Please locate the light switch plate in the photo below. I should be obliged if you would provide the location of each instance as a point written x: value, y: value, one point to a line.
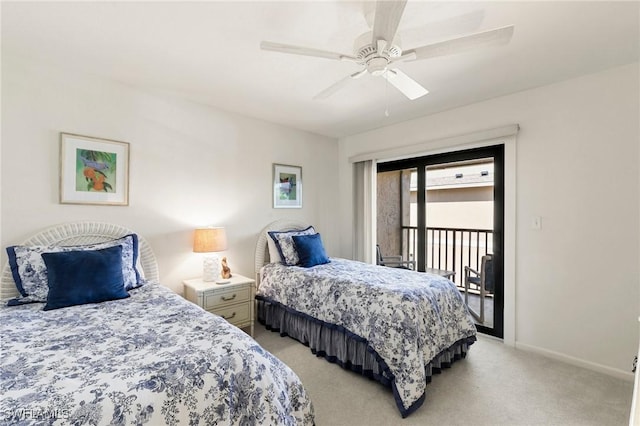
x: 536, y: 223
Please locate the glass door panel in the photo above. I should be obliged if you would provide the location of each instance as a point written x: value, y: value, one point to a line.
x: 459, y: 228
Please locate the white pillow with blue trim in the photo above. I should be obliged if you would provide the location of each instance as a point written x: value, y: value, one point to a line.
x: 283, y: 241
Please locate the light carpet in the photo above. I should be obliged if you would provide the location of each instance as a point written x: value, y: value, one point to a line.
x: 494, y: 385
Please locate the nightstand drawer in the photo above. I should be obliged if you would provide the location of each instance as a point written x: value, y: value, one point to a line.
x: 232, y: 300
x: 235, y: 314
x: 214, y: 300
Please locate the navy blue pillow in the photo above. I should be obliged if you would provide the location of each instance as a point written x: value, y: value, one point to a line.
x: 310, y: 250
x: 87, y: 276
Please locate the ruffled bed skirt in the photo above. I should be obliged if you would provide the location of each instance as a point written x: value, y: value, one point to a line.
x: 346, y: 349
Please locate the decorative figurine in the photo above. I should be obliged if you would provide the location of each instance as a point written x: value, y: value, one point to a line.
x: 226, y: 271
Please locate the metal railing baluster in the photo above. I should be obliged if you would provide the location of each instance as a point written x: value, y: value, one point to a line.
x: 461, y: 248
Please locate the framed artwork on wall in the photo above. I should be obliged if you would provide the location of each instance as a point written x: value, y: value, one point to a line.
x: 287, y: 187
x: 93, y: 171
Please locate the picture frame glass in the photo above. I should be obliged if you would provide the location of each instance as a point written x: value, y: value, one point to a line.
x: 287, y: 186
x: 93, y: 170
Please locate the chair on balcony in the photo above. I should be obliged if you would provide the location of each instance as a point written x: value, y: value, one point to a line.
x: 394, y: 261
x: 483, y: 281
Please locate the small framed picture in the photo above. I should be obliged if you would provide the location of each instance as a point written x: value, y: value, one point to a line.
x: 93, y: 170
x: 287, y: 187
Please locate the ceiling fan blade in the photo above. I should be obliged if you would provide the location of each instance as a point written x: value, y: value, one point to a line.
x: 381, y: 45
x: 410, y: 56
x: 305, y: 51
x: 339, y: 85
x: 465, y: 23
x: 408, y: 86
x: 387, y: 18
x: 464, y: 44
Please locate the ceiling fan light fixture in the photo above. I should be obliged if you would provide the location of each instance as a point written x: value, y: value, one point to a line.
x: 377, y: 66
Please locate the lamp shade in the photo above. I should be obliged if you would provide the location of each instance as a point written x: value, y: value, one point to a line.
x: 208, y: 240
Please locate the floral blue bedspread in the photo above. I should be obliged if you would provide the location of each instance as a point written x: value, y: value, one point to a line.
x: 407, y: 317
x: 153, y: 358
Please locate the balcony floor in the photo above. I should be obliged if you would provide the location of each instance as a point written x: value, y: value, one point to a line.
x: 474, y: 303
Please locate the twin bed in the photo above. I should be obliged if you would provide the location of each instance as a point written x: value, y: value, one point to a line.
x: 148, y: 356
x: 393, y: 325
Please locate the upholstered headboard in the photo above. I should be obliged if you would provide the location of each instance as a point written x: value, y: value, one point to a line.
x: 262, y: 251
x: 81, y: 233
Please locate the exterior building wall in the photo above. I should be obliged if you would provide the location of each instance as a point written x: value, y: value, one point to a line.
x: 406, y: 209
x: 456, y: 208
x: 389, y: 217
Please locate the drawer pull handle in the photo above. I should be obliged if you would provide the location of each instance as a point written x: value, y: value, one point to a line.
x: 231, y: 317
x: 226, y: 299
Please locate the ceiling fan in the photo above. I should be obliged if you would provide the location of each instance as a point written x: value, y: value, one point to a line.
x: 378, y: 49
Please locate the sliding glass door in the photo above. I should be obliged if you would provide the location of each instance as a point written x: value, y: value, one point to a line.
x: 445, y: 213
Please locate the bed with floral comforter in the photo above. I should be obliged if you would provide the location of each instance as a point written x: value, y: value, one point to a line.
x: 411, y: 321
x: 152, y: 358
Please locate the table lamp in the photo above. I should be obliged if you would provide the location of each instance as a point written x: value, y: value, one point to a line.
x: 210, y: 240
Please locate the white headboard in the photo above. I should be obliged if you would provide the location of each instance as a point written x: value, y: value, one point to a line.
x: 74, y: 233
x: 262, y: 252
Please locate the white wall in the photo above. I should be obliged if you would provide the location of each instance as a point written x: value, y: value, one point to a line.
x: 191, y: 165
x: 577, y: 279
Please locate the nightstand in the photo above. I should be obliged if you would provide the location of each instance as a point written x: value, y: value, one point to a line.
x: 233, y: 301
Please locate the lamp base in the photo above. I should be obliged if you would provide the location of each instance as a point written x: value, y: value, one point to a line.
x: 210, y: 269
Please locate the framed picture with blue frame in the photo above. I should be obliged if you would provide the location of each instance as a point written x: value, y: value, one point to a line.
x: 287, y: 186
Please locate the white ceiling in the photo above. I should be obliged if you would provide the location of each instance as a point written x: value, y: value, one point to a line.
x: 209, y: 52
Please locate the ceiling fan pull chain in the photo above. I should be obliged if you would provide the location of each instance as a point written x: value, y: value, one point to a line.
x: 386, y: 98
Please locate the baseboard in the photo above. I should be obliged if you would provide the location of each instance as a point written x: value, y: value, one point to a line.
x: 614, y: 372
x: 489, y: 337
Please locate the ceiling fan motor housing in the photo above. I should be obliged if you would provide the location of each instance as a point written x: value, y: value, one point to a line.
x: 368, y: 55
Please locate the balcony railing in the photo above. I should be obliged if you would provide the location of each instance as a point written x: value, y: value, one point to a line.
x: 450, y: 249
